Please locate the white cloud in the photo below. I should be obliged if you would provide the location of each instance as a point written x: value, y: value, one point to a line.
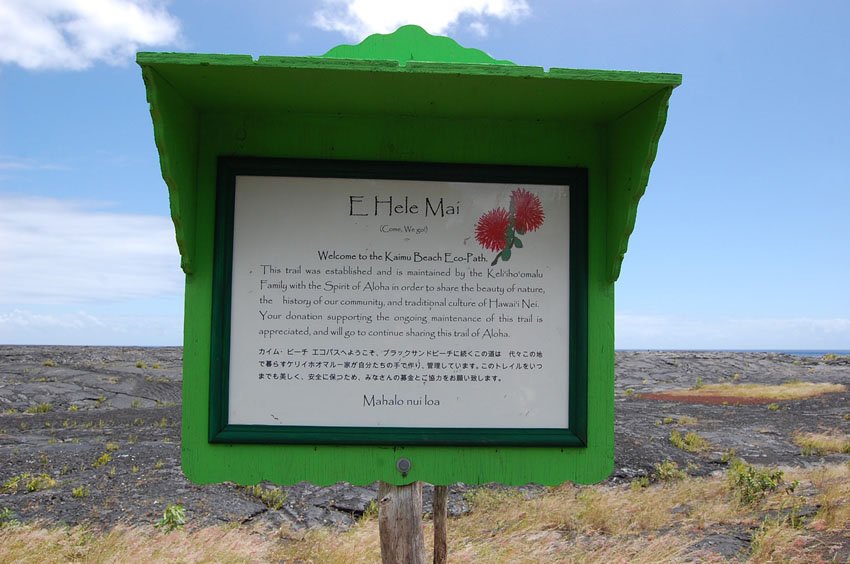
x: 479, y: 28
x: 19, y: 163
x: 57, y: 252
x: 25, y: 327
x: 359, y: 18
x: 74, y: 34
x: 773, y: 333
x: 22, y: 319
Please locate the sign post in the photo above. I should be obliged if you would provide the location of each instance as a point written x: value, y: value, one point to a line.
x: 400, y: 259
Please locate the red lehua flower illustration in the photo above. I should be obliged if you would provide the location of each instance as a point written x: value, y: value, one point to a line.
x: 528, y: 212
x: 492, y: 229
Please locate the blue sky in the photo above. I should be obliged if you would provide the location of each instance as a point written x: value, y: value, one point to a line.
x: 742, y: 240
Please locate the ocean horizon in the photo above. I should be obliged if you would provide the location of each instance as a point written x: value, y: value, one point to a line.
x: 793, y: 352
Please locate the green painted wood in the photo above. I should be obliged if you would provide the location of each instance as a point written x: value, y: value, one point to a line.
x: 437, y: 108
x: 326, y: 85
x: 633, y: 142
x: 412, y: 43
x: 175, y: 134
x: 422, y: 140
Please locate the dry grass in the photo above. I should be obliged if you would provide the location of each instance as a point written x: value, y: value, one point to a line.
x: 832, y: 484
x: 358, y: 545
x: 603, y: 523
x: 777, y: 541
x: 822, y: 443
x: 566, y: 524
x: 30, y: 543
x: 787, y: 391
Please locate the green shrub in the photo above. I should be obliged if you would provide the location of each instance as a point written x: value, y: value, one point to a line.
x: 174, y: 517
x: 6, y: 518
x: 30, y: 482
x: 668, y: 471
x: 80, y: 492
x: 272, y: 498
x: 728, y: 456
x: 751, y: 484
x: 40, y: 482
x: 371, y: 511
x: 102, y: 460
x: 39, y: 408
x: 639, y: 483
x: 689, y: 442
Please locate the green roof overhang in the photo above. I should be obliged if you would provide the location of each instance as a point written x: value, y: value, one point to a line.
x: 409, y: 73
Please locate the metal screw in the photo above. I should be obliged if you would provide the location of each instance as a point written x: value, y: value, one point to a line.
x: 403, y: 465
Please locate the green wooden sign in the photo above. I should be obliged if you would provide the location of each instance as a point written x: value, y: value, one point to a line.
x: 417, y: 337
x: 402, y: 249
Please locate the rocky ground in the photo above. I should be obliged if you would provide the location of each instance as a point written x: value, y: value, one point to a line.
x: 104, y: 423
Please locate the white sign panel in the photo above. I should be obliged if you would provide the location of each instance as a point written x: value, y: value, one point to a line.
x: 399, y: 303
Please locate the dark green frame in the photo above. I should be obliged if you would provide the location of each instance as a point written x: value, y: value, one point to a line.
x: 575, y: 435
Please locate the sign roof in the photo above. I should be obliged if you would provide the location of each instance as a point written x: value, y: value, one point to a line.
x: 410, y: 72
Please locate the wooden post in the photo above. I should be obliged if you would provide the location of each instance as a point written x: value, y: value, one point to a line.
x: 439, y: 511
x: 400, y: 523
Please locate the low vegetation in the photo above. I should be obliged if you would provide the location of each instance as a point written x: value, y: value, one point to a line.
x: 173, y: 518
x: 751, y: 484
x: 779, y: 392
x: 668, y: 471
x: 27, y: 482
x: 271, y: 497
x: 832, y: 357
x: 80, y: 492
x: 689, y: 442
x: 605, y: 523
x: 31, y: 544
x: 102, y: 460
x: 819, y: 444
